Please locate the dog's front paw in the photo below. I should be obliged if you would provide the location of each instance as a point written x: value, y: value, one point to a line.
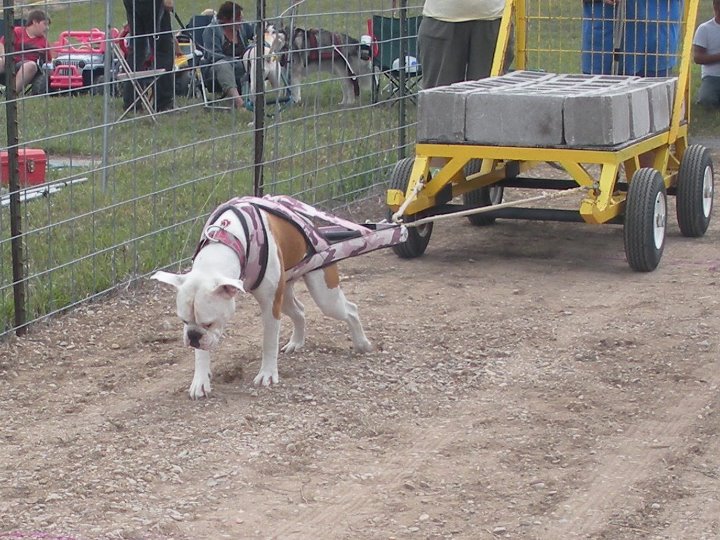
x: 200, y: 387
x: 266, y: 378
x: 363, y: 346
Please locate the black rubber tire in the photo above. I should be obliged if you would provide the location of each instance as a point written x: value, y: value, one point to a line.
x: 40, y: 84
x: 645, y: 220
x: 418, y: 237
x: 695, y: 190
x: 481, y: 197
x: 97, y: 87
x: 182, y: 81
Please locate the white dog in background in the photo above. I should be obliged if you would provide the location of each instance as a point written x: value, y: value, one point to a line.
x: 274, y: 42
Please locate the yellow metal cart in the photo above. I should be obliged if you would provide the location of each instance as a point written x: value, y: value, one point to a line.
x: 618, y: 189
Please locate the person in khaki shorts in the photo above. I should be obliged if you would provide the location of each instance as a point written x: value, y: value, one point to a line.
x: 456, y: 40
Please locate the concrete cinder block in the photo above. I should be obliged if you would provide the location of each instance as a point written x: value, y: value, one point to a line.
x: 597, y: 119
x: 639, y: 109
x: 658, y: 96
x: 518, y: 118
x: 441, y: 110
x: 441, y: 115
x: 527, y: 108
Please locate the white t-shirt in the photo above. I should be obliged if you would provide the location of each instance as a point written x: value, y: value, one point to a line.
x: 707, y: 36
x: 463, y: 10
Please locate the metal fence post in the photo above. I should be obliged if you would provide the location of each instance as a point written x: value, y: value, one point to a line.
x: 106, y: 94
x: 259, y: 104
x: 402, y: 133
x: 16, y: 242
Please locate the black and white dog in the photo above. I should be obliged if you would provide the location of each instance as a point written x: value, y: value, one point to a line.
x: 273, y: 52
x: 315, y: 49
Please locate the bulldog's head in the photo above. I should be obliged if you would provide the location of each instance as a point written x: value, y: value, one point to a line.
x: 204, y: 305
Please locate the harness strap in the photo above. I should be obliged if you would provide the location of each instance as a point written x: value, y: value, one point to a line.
x: 253, y: 240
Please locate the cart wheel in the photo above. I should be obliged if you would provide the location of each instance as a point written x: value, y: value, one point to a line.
x: 98, y: 87
x: 418, y: 237
x: 695, y: 188
x: 182, y: 82
x: 645, y: 220
x: 481, y: 197
x: 40, y: 84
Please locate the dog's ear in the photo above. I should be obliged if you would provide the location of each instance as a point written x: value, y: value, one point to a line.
x: 176, y: 280
x: 228, y: 288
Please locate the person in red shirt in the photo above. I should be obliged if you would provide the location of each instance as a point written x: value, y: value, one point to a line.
x: 31, y: 48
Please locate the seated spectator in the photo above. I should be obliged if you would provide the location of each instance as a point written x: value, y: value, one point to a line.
x: 31, y: 49
x: 706, y: 53
x: 224, y: 42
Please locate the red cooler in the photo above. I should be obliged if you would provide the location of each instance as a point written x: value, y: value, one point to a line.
x: 32, y: 163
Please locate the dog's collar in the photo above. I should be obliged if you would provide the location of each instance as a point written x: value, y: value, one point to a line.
x: 253, y: 255
x: 217, y: 233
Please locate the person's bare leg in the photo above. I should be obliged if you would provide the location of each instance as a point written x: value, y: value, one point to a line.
x: 24, y: 76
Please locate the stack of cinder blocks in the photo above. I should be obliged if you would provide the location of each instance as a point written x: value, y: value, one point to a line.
x: 527, y: 108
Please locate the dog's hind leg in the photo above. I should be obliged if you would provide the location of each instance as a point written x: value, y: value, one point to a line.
x: 348, y: 89
x: 324, y: 287
x: 293, y: 308
x: 296, y: 76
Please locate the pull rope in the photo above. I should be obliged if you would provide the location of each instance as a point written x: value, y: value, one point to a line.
x: 397, y: 216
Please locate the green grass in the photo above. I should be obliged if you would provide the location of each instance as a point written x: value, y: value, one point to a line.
x: 146, y: 209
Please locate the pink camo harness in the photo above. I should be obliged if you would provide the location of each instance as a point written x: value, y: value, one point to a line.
x: 252, y: 250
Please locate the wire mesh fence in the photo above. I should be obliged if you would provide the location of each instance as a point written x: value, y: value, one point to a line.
x: 125, y: 192
x: 120, y: 194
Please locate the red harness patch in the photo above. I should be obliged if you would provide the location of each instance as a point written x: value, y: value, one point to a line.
x: 315, y: 53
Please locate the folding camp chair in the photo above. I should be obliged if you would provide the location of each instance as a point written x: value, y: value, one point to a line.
x: 199, y: 85
x: 143, y: 82
x: 388, y: 41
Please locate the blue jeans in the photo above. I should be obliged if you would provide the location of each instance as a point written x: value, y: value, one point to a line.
x: 709, y: 93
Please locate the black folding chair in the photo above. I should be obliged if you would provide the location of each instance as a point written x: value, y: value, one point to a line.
x: 387, y: 45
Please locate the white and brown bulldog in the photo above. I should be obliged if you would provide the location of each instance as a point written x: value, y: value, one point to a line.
x: 263, y: 246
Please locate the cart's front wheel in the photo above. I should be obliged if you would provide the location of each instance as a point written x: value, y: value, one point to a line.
x: 40, y: 84
x: 645, y: 220
x: 481, y: 197
x: 418, y: 237
x: 695, y: 189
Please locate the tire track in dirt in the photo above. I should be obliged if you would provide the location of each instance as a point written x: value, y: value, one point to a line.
x: 342, y: 508
x: 636, y: 457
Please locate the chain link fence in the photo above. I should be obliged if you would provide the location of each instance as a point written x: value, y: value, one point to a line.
x: 95, y: 197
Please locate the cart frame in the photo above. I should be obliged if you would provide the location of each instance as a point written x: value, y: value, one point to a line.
x: 442, y: 172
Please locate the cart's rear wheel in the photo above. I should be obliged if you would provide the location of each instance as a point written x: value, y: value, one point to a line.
x: 481, y: 197
x: 695, y: 189
x: 40, y: 84
x: 645, y: 220
x: 418, y: 237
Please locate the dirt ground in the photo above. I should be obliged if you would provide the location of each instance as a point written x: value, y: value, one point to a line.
x: 526, y: 384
